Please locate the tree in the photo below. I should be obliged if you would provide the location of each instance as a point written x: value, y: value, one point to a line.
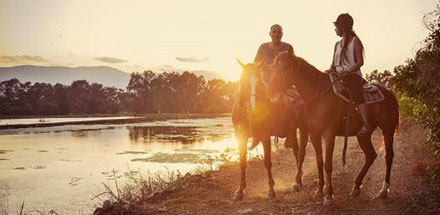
x: 78, y: 96
x: 139, y: 88
x: 382, y: 78
x: 13, y: 97
x: 419, y: 79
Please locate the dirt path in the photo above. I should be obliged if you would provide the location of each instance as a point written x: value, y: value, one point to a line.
x: 409, y: 194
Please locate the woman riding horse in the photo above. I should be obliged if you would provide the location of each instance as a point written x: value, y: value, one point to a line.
x: 347, y: 61
x: 323, y: 115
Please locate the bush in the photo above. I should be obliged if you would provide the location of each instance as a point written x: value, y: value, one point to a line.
x: 418, y: 83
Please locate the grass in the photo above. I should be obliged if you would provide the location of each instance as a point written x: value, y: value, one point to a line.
x: 140, y: 188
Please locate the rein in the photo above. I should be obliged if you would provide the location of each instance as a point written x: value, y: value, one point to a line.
x: 317, y: 94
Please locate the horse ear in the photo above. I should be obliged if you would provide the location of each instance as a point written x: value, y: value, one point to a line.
x: 239, y: 62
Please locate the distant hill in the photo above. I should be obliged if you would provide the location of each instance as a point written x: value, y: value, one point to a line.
x: 104, y: 75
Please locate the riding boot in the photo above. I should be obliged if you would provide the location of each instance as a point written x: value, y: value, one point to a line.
x: 363, y: 113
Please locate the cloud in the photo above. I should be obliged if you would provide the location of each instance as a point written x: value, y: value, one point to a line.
x: 22, y: 59
x: 167, y: 66
x: 191, y: 59
x: 110, y: 60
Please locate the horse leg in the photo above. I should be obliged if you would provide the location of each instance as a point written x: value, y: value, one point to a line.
x: 293, y: 143
x: 268, y: 165
x: 242, y: 145
x: 300, y: 159
x: 370, y: 156
x: 388, y: 139
x: 291, y: 140
x: 329, y: 148
x: 316, y: 141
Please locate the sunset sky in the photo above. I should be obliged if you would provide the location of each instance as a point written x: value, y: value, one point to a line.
x: 200, y: 35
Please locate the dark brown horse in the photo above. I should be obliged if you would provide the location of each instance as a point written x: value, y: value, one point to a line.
x: 323, y: 114
x: 254, y: 115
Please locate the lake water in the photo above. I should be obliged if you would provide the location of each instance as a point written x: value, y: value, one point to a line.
x: 56, y: 120
x: 63, y: 167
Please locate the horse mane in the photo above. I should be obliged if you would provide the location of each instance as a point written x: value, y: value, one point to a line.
x: 299, y: 71
x: 307, y: 67
x: 296, y: 61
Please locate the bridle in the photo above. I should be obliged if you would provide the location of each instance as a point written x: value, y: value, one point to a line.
x: 317, y: 91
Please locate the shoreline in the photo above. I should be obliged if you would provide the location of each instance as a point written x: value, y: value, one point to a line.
x: 136, y: 119
x: 211, y: 192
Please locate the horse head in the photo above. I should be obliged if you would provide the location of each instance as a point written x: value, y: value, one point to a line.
x: 284, y: 68
x: 251, y: 84
x: 249, y: 71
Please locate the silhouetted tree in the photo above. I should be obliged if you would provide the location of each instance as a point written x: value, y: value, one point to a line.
x: 147, y: 92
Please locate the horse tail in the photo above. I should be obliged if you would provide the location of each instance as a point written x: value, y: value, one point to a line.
x: 346, y: 134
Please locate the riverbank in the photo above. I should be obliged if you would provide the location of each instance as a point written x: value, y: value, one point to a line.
x: 63, y: 167
x: 211, y: 192
x: 117, y: 119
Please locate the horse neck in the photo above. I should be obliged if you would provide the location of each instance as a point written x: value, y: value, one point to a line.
x: 308, y: 80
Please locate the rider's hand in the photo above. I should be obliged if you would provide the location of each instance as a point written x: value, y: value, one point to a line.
x: 346, y: 72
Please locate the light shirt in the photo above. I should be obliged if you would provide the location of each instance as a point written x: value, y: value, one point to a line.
x: 347, y: 62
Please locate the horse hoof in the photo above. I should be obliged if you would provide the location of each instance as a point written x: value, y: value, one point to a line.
x: 328, y: 201
x: 238, y: 196
x: 355, y: 192
x: 296, y: 187
x: 271, y: 194
x: 382, y: 195
x: 318, y: 194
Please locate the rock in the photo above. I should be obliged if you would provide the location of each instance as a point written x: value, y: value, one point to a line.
x: 107, y: 205
x: 246, y: 211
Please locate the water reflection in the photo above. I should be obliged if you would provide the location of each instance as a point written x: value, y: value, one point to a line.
x: 89, y: 131
x: 61, y: 165
x: 184, y: 135
x: 177, y: 134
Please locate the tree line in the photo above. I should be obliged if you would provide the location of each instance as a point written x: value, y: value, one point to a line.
x: 147, y: 92
x: 417, y: 84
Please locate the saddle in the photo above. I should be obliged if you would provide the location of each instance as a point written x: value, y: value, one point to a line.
x: 371, y: 93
